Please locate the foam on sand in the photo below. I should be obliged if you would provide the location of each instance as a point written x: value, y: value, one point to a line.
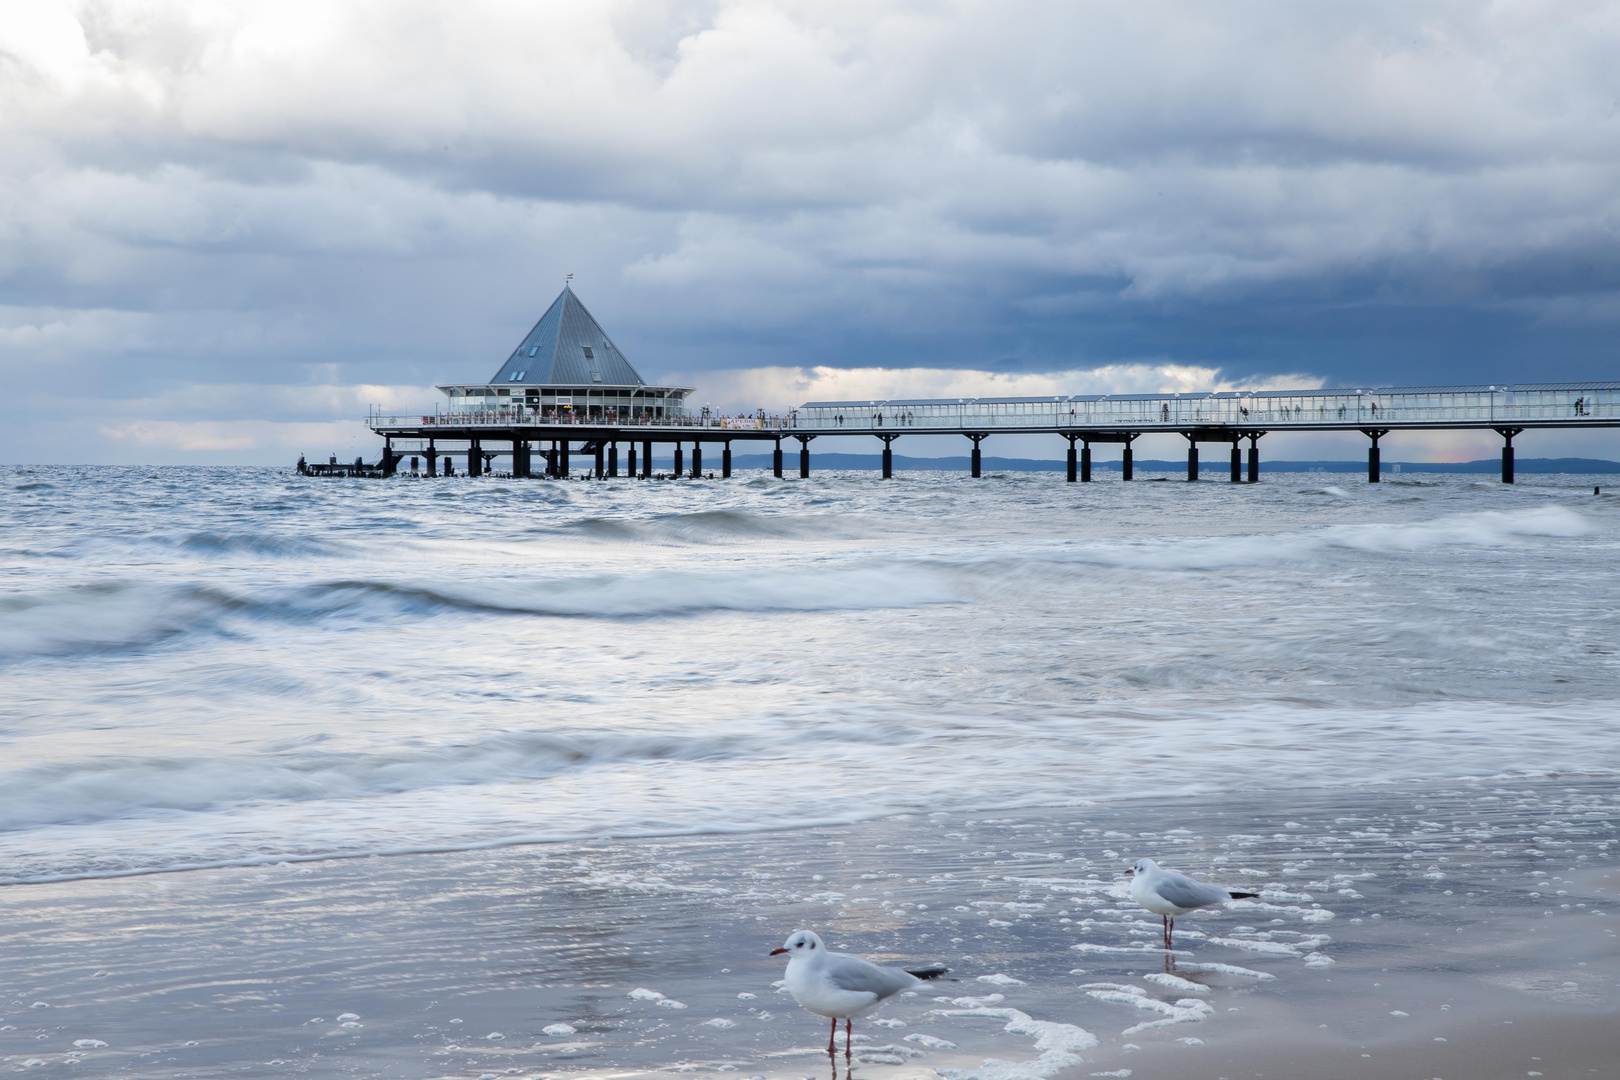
x: 1059, y: 1044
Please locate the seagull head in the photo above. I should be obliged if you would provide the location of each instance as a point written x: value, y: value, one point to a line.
x: 802, y: 943
x: 1143, y: 866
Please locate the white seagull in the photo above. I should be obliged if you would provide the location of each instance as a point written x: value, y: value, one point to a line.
x: 840, y: 985
x: 1168, y: 893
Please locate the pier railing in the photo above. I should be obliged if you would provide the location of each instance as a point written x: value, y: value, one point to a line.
x: 506, y: 418
x: 1395, y: 408
x: 1541, y: 405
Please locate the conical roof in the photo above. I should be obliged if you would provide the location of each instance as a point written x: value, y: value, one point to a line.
x: 567, y: 347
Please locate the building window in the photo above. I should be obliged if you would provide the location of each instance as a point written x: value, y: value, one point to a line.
x: 534, y: 350
x: 596, y: 376
x: 588, y: 354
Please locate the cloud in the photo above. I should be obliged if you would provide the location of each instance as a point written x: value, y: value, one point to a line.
x: 208, y: 436
x: 240, y: 192
x: 779, y: 389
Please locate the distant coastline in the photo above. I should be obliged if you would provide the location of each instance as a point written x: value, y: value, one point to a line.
x: 1213, y: 465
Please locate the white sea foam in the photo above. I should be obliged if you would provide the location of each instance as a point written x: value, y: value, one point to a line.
x: 1060, y: 1046
x: 1227, y: 969
x: 1264, y: 948
x: 1484, y: 529
x: 1175, y: 983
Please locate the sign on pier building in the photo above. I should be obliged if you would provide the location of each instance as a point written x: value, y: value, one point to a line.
x: 567, y: 369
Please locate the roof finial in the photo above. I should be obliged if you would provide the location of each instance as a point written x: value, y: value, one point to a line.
x: 567, y: 279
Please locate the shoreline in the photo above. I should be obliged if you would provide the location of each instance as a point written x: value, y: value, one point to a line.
x: 211, y: 970
x: 1098, y: 802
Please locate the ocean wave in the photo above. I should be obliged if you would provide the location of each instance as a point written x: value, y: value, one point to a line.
x: 133, y: 615
x: 704, y: 527
x: 1487, y: 529
x: 105, y: 817
x: 129, y: 615
x: 98, y: 790
x: 108, y: 616
x: 250, y: 543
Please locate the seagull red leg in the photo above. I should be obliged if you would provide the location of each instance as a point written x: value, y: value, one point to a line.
x: 849, y: 1037
x: 832, y: 1037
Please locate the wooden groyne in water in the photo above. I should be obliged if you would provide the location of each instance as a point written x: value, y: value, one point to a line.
x: 542, y: 442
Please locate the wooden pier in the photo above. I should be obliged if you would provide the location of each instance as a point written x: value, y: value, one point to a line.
x: 1232, y: 419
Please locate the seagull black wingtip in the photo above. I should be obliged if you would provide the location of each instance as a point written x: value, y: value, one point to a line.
x: 927, y: 972
x: 1245, y: 895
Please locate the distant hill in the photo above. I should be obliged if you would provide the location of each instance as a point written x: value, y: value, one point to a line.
x: 1213, y: 467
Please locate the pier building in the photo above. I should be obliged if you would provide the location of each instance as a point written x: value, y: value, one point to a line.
x: 568, y: 369
x: 567, y: 389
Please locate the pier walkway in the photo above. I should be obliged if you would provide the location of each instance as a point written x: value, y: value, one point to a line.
x: 1230, y: 417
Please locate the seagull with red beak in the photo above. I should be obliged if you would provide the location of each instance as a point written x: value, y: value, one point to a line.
x: 842, y: 986
x: 1168, y: 893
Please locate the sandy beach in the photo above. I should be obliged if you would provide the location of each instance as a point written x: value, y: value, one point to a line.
x: 1449, y: 931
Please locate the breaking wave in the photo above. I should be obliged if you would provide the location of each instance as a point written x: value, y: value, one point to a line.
x: 126, y: 616
x: 95, y: 790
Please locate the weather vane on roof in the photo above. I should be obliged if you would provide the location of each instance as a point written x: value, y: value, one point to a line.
x: 567, y: 279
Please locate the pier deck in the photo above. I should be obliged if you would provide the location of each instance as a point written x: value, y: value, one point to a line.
x: 1219, y: 417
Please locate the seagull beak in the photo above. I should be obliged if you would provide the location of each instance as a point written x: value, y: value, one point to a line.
x: 778, y: 952
x: 1130, y: 873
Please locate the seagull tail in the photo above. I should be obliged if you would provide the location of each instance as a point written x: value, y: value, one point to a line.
x: 1244, y: 895
x: 927, y: 972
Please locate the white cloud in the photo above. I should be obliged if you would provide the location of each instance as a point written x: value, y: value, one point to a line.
x: 203, y: 436
x: 779, y: 389
x: 218, y: 193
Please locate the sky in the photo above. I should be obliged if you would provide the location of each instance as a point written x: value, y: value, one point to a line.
x: 229, y: 227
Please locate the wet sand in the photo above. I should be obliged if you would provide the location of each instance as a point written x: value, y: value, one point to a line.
x: 1390, y: 918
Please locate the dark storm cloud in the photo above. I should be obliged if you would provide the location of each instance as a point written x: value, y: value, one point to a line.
x: 336, y: 195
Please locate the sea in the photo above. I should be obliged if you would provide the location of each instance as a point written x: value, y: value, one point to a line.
x: 479, y: 777
x: 210, y: 667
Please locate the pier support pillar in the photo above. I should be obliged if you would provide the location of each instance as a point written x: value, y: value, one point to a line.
x: 1507, y: 434
x: 475, y: 459
x: 601, y: 466
x: 1237, y: 462
x: 432, y: 459
x: 1254, y: 459
x: 613, y: 460
x: 888, y: 455
x: 551, y: 460
x: 977, y: 460
x: 1192, y: 459
x: 388, y: 459
x: 563, y: 468
x: 725, y: 460
x: 630, y: 461
x: 646, y: 459
x: 776, y: 459
x: 1072, y: 473
x: 697, y: 461
x: 449, y: 466
x: 1126, y: 472
x: 804, y: 455
x: 680, y: 461
x: 1374, y: 466
x: 1085, y: 463
x: 520, y: 458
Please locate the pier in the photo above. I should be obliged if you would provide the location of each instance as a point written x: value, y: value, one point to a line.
x: 1235, y: 420
x: 567, y: 390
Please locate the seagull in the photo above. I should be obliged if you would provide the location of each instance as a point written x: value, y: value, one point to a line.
x: 1169, y: 893
x: 840, y: 985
